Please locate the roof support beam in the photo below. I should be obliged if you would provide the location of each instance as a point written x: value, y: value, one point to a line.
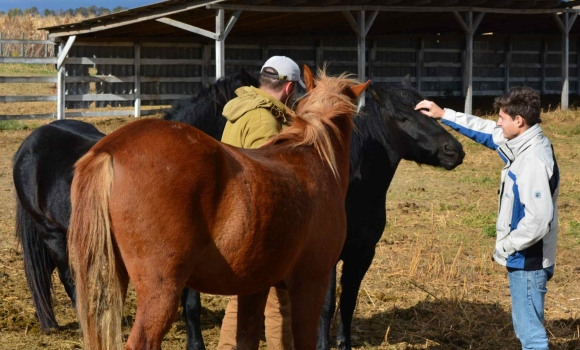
x: 222, y: 31
x: 109, y: 22
x: 220, y: 45
x: 362, y: 53
x: 188, y: 28
x: 62, y: 54
x: 60, y: 85
x: 469, y: 27
x: 361, y: 28
x: 565, y: 24
x: 231, y: 23
x: 137, y: 86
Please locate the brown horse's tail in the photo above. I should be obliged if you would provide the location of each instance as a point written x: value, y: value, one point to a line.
x: 100, y: 293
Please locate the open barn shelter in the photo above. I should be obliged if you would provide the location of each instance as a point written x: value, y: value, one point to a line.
x: 158, y: 53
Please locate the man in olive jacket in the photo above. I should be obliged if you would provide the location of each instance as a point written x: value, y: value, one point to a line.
x: 253, y: 117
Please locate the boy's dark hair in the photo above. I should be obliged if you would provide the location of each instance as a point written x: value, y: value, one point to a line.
x: 523, y: 101
x: 271, y: 83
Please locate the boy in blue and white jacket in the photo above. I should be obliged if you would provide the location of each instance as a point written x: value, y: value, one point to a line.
x: 527, y: 221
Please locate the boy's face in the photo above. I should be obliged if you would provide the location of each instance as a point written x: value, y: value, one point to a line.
x: 512, y: 128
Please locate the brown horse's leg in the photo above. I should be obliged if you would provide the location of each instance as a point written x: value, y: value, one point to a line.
x: 250, y: 320
x: 157, y: 304
x: 306, y: 299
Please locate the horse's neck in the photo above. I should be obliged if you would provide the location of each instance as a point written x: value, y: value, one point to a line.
x: 373, y: 160
x: 342, y: 149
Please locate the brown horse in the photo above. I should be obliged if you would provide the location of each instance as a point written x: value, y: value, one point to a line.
x: 166, y: 206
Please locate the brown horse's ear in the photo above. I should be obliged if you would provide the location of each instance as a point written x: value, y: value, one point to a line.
x: 407, y: 80
x: 308, y: 79
x: 357, y: 90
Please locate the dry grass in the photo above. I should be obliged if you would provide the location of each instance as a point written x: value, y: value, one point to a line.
x: 432, y: 284
x: 14, y: 27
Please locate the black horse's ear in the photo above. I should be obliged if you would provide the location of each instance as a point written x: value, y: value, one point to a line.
x: 248, y: 79
x: 375, y: 95
x: 407, y: 80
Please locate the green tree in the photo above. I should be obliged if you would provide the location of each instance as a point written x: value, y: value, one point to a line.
x: 103, y: 11
x: 93, y: 10
x: 119, y: 9
x: 33, y: 11
x: 83, y: 11
x: 14, y: 12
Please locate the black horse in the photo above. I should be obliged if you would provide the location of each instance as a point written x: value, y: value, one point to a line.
x: 388, y: 130
x: 43, y: 171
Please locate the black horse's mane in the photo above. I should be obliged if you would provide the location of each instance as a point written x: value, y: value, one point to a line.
x: 202, y: 110
x: 372, y: 124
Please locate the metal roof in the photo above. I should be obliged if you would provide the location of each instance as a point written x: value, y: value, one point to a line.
x: 262, y: 18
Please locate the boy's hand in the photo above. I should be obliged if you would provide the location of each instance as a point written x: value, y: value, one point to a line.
x: 430, y: 109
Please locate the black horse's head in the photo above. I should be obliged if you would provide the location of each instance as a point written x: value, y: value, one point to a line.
x: 204, y: 110
x: 414, y: 136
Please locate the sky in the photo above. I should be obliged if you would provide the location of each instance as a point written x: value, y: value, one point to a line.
x: 66, y: 4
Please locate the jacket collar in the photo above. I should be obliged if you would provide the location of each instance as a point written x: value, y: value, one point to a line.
x: 512, y: 148
x: 520, y: 143
x: 267, y: 96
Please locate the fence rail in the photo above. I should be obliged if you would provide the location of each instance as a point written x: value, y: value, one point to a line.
x: 171, y: 71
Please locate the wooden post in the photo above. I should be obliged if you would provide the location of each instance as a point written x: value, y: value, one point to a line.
x: 544, y: 61
x: 220, y: 48
x: 565, y: 63
x: 362, y: 47
x: 60, y: 97
x: 578, y: 66
x: 319, y: 54
x: 22, y: 45
x: 361, y: 28
x: 362, y: 51
x: 469, y: 64
x: 565, y: 25
x: 419, y: 64
x: 265, y: 53
x: 205, y: 64
x: 372, y: 59
x: 46, y: 47
x: 508, y: 63
x: 137, y: 79
x: 1, y: 54
x: 469, y: 26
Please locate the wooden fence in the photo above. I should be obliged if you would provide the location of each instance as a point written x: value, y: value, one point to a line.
x: 134, y: 74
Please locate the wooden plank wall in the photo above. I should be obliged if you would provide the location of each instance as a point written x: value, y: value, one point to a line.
x: 103, y: 73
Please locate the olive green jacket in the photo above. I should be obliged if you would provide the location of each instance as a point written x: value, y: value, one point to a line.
x: 253, y: 117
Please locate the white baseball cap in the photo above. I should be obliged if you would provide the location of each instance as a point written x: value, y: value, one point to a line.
x: 287, y: 69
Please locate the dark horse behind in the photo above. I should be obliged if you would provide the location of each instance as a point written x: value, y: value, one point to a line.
x: 389, y: 129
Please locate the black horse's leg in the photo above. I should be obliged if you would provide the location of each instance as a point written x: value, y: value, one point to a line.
x: 191, y: 302
x: 55, y: 242
x: 353, y: 272
x: 327, y: 313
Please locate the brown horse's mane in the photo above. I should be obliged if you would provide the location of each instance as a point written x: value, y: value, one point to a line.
x: 312, y: 123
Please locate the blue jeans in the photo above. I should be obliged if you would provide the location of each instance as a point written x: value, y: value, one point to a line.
x: 528, y: 290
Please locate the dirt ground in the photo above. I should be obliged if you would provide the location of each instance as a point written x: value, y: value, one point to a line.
x: 432, y: 284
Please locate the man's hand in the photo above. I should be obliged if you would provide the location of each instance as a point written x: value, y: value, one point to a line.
x: 430, y: 109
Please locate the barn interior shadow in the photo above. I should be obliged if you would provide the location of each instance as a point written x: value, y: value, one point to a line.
x: 452, y: 324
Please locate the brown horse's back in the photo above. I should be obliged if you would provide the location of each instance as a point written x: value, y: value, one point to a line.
x: 164, y: 205
x: 224, y: 208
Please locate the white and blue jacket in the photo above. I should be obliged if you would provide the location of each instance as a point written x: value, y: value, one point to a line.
x: 527, y: 221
